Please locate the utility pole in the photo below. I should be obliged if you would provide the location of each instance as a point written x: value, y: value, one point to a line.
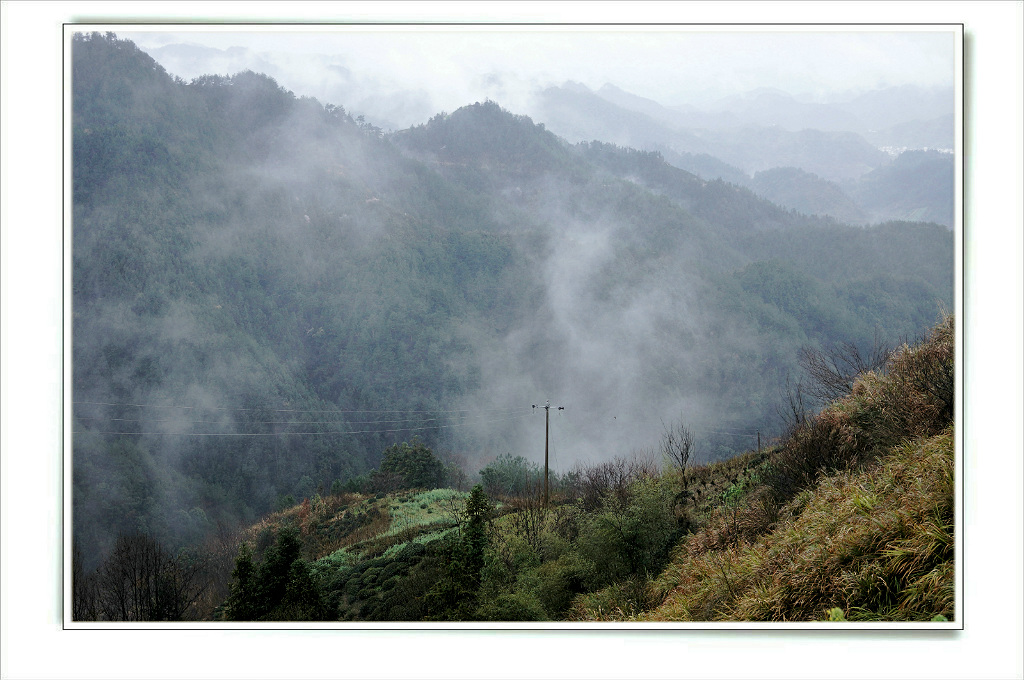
x: 547, y: 429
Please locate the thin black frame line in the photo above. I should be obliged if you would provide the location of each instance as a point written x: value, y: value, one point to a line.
x: 67, y: 607
x: 961, y: 411
x: 429, y: 24
x: 962, y: 359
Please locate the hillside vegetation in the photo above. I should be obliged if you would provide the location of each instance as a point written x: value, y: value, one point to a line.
x: 849, y: 517
x: 855, y: 517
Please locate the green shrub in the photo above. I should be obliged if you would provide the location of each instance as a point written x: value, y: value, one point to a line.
x: 561, y: 580
x: 415, y: 463
x: 511, y: 476
x: 635, y: 539
x: 283, y: 502
x: 518, y: 606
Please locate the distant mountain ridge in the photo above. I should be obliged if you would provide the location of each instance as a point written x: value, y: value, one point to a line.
x: 770, y: 130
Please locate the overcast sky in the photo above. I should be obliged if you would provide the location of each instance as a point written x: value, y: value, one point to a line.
x: 450, y: 66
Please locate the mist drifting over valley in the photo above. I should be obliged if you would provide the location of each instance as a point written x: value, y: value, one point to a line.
x: 286, y: 262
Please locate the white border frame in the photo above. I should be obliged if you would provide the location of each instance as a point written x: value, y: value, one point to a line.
x: 33, y: 643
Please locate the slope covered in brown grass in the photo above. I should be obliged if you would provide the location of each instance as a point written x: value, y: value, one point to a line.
x: 854, y: 518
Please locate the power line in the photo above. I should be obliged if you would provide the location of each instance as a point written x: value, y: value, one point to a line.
x: 287, y: 433
x: 282, y: 422
x: 291, y: 410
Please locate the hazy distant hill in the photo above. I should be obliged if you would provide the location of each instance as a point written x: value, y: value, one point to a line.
x: 800, y: 150
x: 905, y: 116
x: 768, y: 108
x: 934, y: 133
x: 575, y: 112
x: 902, y: 114
x: 578, y: 114
x: 807, y: 193
x: 919, y: 185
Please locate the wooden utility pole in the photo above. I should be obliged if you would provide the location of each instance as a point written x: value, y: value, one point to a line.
x: 547, y: 430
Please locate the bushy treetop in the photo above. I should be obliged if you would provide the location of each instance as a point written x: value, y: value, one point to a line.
x: 416, y: 463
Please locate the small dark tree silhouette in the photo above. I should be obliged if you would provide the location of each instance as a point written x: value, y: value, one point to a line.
x: 677, y: 447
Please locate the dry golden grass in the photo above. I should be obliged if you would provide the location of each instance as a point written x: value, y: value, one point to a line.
x: 855, y: 512
x: 877, y: 544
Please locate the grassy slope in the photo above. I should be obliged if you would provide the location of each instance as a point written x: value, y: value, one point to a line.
x: 350, y: 527
x: 857, y: 512
x: 877, y: 544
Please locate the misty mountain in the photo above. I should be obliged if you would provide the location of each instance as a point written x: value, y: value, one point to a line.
x: 332, y: 79
x: 704, y: 166
x: 268, y: 292
x: 903, y: 111
x: 579, y: 114
x: 678, y: 117
x: 807, y: 193
x: 906, y: 116
x: 190, y: 60
x: 765, y: 107
x: 919, y: 186
x: 934, y: 133
x: 821, y: 170
x: 769, y: 107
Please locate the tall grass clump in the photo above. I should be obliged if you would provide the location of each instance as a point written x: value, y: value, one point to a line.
x: 876, y: 544
x: 881, y: 545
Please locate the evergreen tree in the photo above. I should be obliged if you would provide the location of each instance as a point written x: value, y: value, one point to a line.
x: 454, y: 597
x: 303, y: 599
x: 243, y: 603
x: 280, y: 588
x: 276, y: 566
x: 478, y: 512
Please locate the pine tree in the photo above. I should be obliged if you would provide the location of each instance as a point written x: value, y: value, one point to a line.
x: 454, y: 597
x: 243, y: 602
x: 478, y: 511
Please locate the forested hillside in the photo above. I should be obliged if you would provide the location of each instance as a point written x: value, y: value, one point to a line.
x: 268, y: 293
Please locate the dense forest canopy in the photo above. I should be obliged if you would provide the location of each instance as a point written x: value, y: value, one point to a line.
x: 268, y: 294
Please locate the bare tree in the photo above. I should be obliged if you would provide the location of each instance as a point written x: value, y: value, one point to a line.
x: 794, y: 412
x: 141, y: 581
x: 180, y: 586
x: 677, y: 446
x: 610, y: 481
x: 832, y: 372
x: 85, y: 605
x: 528, y: 521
